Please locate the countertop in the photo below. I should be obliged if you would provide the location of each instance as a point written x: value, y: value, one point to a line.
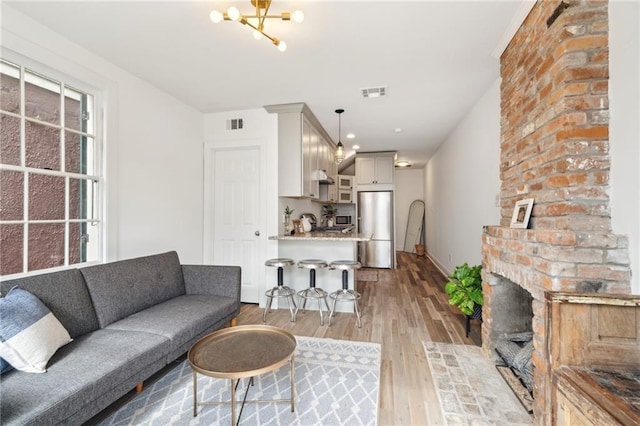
x: 323, y: 236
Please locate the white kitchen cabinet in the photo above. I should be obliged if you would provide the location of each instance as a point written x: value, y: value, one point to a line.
x: 305, y: 170
x: 303, y: 150
x: 344, y: 185
x: 344, y: 182
x: 331, y: 168
x: 345, y: 196
x: 375, y: 168
x: 312, y: 189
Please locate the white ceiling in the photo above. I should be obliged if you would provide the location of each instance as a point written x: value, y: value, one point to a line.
x: 435, y: 57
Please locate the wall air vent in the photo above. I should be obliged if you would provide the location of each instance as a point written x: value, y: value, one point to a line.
x: 374, y: 92
x: 235, y: 124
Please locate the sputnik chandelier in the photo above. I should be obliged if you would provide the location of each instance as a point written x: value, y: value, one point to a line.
x: 256, y: 21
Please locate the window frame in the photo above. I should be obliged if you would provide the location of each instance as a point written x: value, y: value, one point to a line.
x: 96, y: 209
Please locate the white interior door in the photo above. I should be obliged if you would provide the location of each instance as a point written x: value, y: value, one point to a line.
x: 236, y: 214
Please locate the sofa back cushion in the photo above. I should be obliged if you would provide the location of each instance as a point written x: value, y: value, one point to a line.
x: 122, y: 288
x: 65, y: 294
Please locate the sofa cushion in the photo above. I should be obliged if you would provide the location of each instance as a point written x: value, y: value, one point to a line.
x: 4, y: 366
x: 65, y: 294
x: 29, y: 333
x: 120, y: 289
x: 79, y: 375
x: 180, y: 319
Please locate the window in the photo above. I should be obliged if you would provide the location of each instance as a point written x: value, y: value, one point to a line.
x: 49, y: 173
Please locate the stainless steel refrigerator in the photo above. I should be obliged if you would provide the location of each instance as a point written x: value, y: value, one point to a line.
x: 375, y: 216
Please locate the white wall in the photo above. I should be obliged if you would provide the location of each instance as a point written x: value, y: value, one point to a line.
x: 409, y: 187
x: 624, y: 101
x: 461, y: 184
x: 153, y: 147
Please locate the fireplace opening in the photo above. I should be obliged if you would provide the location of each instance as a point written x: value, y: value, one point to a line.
x: 511, y: 336
x: 516, y: 352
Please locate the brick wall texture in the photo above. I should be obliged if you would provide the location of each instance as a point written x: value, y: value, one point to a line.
x: 555, y: 149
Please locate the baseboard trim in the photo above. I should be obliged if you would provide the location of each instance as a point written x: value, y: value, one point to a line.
x: 440, y: 267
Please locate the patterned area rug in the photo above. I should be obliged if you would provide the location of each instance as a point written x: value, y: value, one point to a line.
x: 337, y: 383
x: 470, y: 389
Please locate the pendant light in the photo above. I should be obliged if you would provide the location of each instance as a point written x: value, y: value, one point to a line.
x: 339, y: 157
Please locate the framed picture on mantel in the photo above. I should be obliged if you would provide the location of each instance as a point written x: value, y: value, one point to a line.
x: 297, y: 227
x: 522, y: 213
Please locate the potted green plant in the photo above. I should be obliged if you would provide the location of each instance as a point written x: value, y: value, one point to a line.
x: 328, y: 212
x: 287, y: 219
x: 465, y: 290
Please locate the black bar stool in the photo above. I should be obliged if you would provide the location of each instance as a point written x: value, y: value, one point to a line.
x: 313, y: 292
x: 280, y: 290
x: 344, y: 294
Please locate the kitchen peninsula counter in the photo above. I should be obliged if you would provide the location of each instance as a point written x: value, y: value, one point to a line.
x: 323, y: 236
x: 328, y: 246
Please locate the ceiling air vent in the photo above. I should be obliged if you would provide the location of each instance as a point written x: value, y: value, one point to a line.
x: 374, y: 92
x: 235, y: 124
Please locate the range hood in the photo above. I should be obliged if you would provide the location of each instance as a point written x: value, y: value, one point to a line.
x: 322, y: 177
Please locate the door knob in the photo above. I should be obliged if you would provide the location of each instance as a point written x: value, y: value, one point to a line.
x: 257, y: 233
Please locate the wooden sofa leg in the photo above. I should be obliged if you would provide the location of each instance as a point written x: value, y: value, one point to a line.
x: 139, y: 387
x: 233, y: 322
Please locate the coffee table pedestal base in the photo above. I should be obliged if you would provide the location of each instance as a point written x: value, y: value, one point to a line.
x: 234, y: 384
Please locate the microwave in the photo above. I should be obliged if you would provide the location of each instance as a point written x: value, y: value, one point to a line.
x: 342, y: 220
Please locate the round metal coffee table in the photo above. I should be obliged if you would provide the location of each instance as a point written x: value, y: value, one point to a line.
x: 239, y: 352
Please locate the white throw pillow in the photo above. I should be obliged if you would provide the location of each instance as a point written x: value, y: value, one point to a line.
x: 29, y: 333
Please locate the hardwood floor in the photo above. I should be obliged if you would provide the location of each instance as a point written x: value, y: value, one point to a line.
x: 402, y: 309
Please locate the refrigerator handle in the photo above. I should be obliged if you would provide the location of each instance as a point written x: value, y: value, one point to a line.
x: 362, y: 255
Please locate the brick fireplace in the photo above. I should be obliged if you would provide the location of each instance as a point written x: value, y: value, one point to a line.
x: 555, y: 149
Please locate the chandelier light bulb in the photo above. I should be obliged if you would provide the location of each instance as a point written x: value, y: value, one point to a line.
x: 282, y: 46
x: 233, y: 13
x: 257, y: 35
x: 297, y: 16
x: 216, y: 16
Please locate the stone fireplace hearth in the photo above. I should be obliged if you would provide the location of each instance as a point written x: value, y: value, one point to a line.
x: 554, y: 149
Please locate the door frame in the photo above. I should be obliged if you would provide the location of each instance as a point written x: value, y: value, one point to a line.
x: 209, y: 200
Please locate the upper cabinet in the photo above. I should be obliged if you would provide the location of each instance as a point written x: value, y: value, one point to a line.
x: 376, y: 168
x: 305, y: 153
x: 344, y: 188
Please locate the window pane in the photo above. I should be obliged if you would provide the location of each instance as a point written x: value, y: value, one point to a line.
x: 46, y: 197
x: 76, y: 245
x: 42, y: 146
x: 92, y: 237
x: 42, y: 98
x: 9, y: 140
x: 46, y: 245
x: 45, y: 107
x: 81, y: 199
x: 83, y: 242
x: 11, y: 195
x: 9, y: 87
x: 78, y: 110
x: 11, y: 249
x: 79, y: 153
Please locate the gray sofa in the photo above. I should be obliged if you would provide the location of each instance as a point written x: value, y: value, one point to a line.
x: 128, y: 320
